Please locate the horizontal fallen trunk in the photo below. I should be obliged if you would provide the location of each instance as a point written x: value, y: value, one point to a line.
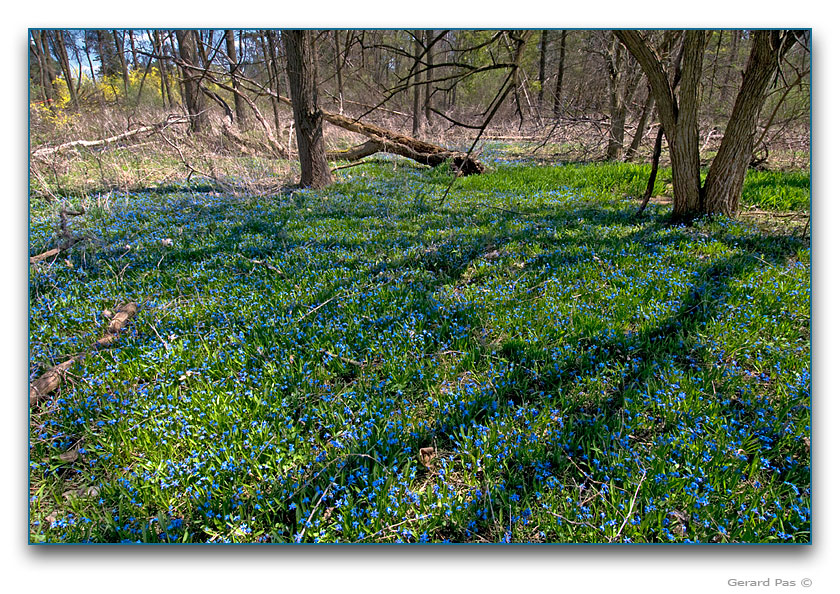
x: 170, y: 120
x: 118, y: 322
x: 392, y: 142
x: 48, y: 382
x: 44, y: 255
x: 384, y: 140
x: 52, y: 378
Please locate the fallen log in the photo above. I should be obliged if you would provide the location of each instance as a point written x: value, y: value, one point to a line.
x: 52, y: 378
x: 118, y: 322
x: 384, y: 140
x: 171, y: 119
x: 392, y: 142
x: 44, y: 255
x: 48, y: 382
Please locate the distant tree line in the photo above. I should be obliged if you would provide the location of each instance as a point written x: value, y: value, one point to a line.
x: 742, y: 88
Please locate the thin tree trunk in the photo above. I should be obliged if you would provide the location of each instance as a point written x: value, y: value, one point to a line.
x: 119, y: 46
x: 543, y: 44
x: 233, y: 63
x: 273, y: 74
x: 561, y: 65
x: 165, y: 91
x: 64, y: 62
x: 640, y: 129
x: 654, y: 169
x: 427, y: 103
x: 339, y: 72
x: 44, y: 68
x: 731, y: 65
x: 417, y: 112
x: 303, y: 91
x: 133, y: 49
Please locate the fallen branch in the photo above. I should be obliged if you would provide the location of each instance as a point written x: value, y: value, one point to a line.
x: 118, y: 322
x: 170, y: 120
x: 392, y: 142
x: 44, y: 255
x: 48, y: 382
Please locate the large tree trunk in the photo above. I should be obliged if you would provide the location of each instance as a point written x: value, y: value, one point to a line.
x: 679, y: 117
x: 193, y: 97
x: 303, y: 91
x: 725, y: 180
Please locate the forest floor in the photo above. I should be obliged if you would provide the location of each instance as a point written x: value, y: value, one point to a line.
x: 520, y: 358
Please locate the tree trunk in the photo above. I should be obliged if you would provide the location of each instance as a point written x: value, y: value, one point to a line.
x: 339, y: 72
x: 543, y: 44
x: 561, y: 65
x: 427, y: 103
x: 233, y: 63
x: 64, y: 62
x: 679, y: 117
x: 618, y: 112
x: 119, y: 46
x: 640, y: 129
x: 133, y: 47
x: 725, y: 180
x: 42, y: 54
x: 193, y: 97
x: 730, y: 67
x: 417, y: 112
x: 303, y: 91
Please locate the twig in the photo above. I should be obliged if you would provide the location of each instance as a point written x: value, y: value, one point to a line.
x: 632, y: 503
x: 316, y: 308
x: 306, y: 525
x: 334, y: 169
x: 345, y: 359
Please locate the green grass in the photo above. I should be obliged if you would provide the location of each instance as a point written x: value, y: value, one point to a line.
x: 570, y: 372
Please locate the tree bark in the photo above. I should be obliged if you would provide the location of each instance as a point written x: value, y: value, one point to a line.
x: 678, y: 117
x: 427, y: 102
x: 303, y: 91
x: 417, y: 112
x: 193, y: 97
x: 233, y: 63
x: 561, y: 66
x: 41, y: 50
x: 64, y: 62
x: 725, y: 180
x: 543, y: 44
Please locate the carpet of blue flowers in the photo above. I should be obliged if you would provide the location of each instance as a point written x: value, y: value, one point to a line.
x: 521, y: 361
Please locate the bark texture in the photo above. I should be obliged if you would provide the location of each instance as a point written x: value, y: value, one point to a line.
x: 725, y: 180
x: 301, y: 67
